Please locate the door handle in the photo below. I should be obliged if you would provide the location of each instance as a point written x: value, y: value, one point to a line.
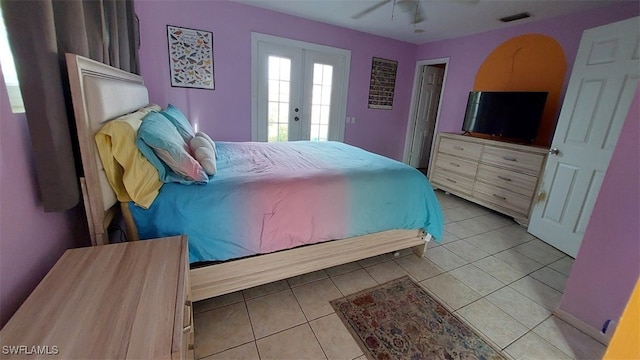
x: 554, y: 151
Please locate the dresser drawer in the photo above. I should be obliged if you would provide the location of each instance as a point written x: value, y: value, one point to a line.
x: 464, y: 149
x: 514, y: 181
x: 452, y: 181
x: 457, y: 165
x: 502, y: 197
x: 516, y: 160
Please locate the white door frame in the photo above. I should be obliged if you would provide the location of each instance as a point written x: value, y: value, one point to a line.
x: 414, y: 105
x: 336, y: 131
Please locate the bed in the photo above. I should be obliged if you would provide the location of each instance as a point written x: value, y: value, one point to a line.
x: 250, y: 226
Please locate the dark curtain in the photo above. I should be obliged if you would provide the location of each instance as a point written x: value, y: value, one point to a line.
x: 40, y: 33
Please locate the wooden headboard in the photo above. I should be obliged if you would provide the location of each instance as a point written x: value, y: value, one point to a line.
x: 100, y: 93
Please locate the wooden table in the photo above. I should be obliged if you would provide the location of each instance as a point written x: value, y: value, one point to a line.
x: 120, y: 301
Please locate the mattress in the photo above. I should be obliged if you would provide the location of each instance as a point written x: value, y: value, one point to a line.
x: 267, y: 197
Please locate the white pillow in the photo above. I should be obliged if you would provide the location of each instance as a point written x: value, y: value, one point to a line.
x: 204, y: 152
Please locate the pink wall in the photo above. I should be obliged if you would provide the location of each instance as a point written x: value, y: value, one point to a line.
x: 225, y: 113
x: 31, y: 241
x: 468, y: 53
x: 608, y: 263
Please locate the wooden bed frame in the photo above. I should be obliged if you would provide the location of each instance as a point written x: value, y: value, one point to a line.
x: 101, y: 93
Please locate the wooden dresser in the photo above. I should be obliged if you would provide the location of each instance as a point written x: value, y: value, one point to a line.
x: 120, y: 301
x: 498, y: 175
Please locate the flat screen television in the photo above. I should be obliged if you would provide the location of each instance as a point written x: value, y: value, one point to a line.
x: 509, y: 114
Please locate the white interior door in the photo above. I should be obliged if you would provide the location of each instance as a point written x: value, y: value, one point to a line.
x: 603, y: 82
x: 299, y: 90
x: 425, y: 116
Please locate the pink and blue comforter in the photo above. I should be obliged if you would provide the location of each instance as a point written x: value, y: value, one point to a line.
x: 267, y: 197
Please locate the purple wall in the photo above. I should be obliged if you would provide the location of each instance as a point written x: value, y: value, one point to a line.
x: 608, y: 263
x: 468, y: 53
x: 31, y: 241
x: 225, y: 113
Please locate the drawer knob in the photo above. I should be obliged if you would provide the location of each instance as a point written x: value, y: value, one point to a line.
x: 454, y: 164
x: 509, y: 158
x: 499, y: 197
x: 503, y: 178
x: 459, y: 148
x: 453, y: 181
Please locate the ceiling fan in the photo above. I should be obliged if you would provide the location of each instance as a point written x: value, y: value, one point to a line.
x: 413, y: 7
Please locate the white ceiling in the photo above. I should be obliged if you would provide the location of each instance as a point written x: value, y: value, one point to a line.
x: 444, y: 19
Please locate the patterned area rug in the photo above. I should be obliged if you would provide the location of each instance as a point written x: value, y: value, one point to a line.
x: 400, y: 320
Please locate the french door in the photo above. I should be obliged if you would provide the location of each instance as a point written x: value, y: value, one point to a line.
x: 298, y: 90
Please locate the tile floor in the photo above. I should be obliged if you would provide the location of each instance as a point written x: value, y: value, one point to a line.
x: 499, y: 279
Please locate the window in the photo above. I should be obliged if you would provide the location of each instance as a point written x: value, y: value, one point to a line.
x: 9, y: 70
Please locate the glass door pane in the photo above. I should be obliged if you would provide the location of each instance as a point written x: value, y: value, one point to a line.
x: 278, y: 99
x: 321, y: 101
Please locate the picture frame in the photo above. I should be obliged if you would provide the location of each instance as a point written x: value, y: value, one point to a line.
x: 190, y: 58
x: 382, y: 84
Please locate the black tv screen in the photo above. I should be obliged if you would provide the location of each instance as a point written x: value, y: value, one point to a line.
x: 508, y: 114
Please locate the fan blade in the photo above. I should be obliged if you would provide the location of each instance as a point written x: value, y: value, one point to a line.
x: 370, y: 9
x: 419, y: 14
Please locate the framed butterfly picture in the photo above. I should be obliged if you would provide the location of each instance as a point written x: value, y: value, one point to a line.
x: 190, y: 58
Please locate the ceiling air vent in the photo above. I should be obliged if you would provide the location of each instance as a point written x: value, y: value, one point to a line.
x: 515, y: 17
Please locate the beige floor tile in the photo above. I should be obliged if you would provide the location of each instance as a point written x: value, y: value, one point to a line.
x: 497, y: 325
x: 540, y: 293
x: 499, y: 269
x: 450, y: 290
x: 386, y: 271
x: 265, y: 289
x: 448, y: 201
x: 445, y: 259
x: 466, y: 251
x: 353, y: 282
x: 419, y: 268
x: 518, y: 261
x: 335, y: 339
x: 295, y: 343
x: 533, y: 347
x: 551, y: 277
x: 517, y: 232
x: 569, y: 339
x: 314, y: 297
x: 539, y: 251
x: 494, y: 220
x: 307, y: 278
x: 493, y: 242
x: 563, y: 265
x: 243, y: 352
x: 221, y: 329
x: 467, y: 228
x: 375, y: 260
x: 274, y: 312
x: 447, y: 237
x: 218, y: 301
x: 342, y: 269
x: 478, y: 280
x: 519, y: 307
x: 460, y: 213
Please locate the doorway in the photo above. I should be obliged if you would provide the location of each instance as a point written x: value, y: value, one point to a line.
x: 424, y: 113
x: 299, y: 90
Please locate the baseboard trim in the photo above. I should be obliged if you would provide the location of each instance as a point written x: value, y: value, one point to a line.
x: 583, y: 326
